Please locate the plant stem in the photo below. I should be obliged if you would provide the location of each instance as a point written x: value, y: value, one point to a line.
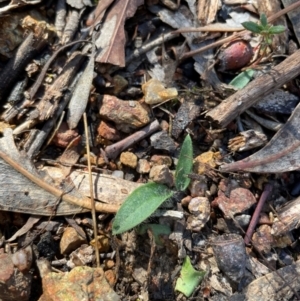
x: 255, y: 216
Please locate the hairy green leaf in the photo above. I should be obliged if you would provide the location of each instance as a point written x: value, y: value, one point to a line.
x: 242, y: 79
x: 184, y: 165
x: 189, y: 278
x: 263, y: 20
x: 254, y: 27
x: 139, y: 205
x: 277, y: 29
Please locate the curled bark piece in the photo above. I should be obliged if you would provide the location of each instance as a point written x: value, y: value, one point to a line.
x: 71, y: 26
x: 281, y: 154
x: 237, y: 103
x: 60, y: 18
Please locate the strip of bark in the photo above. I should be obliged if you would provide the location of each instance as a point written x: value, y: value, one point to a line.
x: 237, y: 103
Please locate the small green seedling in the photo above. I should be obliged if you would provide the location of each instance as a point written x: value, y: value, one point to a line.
x: 189, y: 278
x: 144, y: 200
x: 264, y: 29
x: 242, y: 80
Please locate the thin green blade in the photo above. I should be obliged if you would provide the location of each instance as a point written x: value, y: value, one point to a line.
x: 189, y: 278
x: 185, y: 164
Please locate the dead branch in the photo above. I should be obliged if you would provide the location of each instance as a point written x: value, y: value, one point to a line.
x: 237, y: 103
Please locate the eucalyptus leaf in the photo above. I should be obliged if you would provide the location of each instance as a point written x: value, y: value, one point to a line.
x: 242, y: 79
x: 184, y: 165
x: 277, y: 29
x: 254, y: 27
x: 80, y: 97
x: 263, y: 20
x: 189, y: 278
x: 139, y: 205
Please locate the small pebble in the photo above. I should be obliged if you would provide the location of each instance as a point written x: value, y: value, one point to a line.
x: 161, y: 160
x: 107, y: 131
x: 162, y: 175
x: 129, y: 159
x: 164, y: 125
x: 243, y: 219
x: 143, y: 166
x: 155, y: 92
x: 186, y: 200
x: 199, y: 208
x: 64, y: 136
x: 108, y: 264
x: 162, y: 141
x: 70, y: 241
x: 198, y: 188
x: 262, y: 239
x: 22, y: 259
x: 120, y: 83
x: 203, y: 161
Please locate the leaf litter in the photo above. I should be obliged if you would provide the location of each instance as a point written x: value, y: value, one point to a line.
x: 197, y: 55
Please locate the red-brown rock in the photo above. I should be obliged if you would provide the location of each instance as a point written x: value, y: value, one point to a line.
x: 107, y: 131
x: 14, y: 285
x: 240, y: 200
x: 127, y: 115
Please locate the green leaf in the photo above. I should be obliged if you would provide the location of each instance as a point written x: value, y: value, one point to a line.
x: 139, y: 205
x: 184, y: 165
x: 157, y: 231
x: 254, y: 27
x: 242, y: 79
x: 277, y: 29
x: 189, y: 278
x: 263, y: 20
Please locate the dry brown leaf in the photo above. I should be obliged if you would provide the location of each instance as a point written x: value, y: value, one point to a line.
x: 112, y: 38
x: 100, y: 10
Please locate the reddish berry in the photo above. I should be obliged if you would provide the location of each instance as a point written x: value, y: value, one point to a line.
x: 235, y: 56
